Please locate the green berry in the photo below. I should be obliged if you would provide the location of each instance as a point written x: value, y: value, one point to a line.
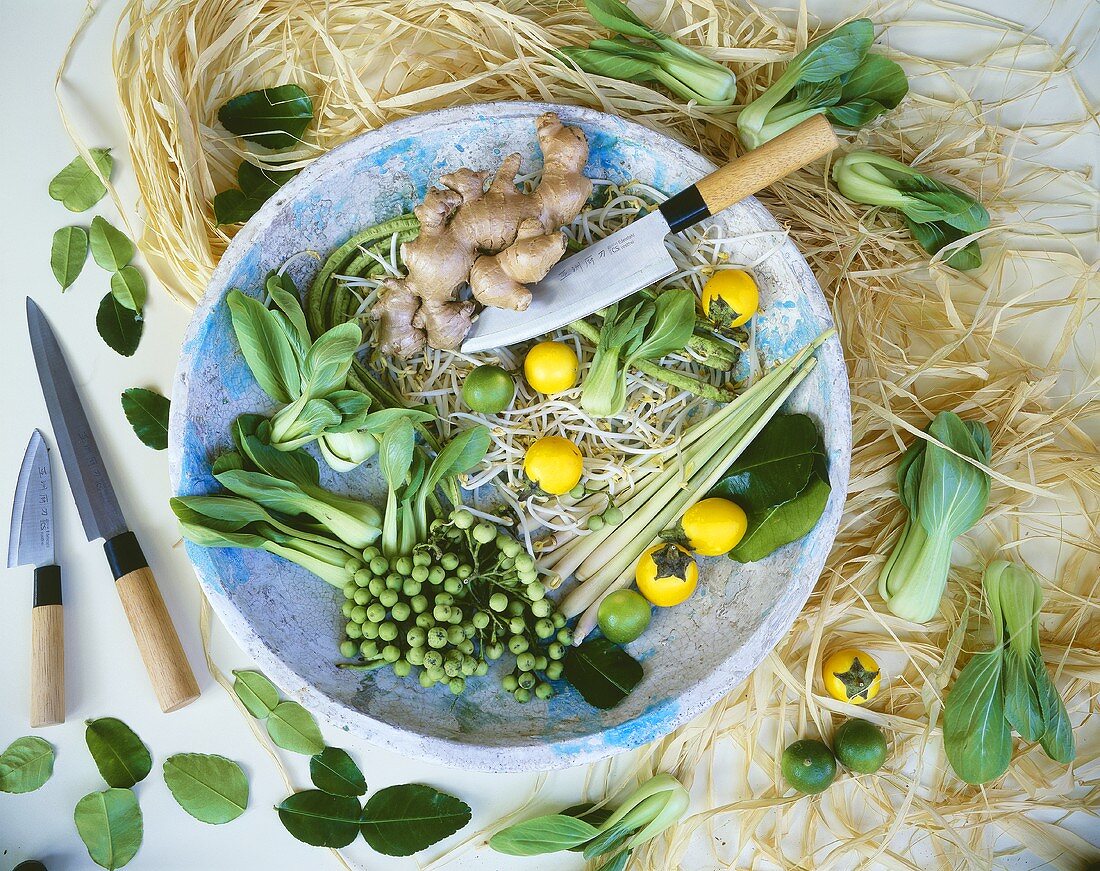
x: 455, y: 635
x: 370, y: 631
x: 380, y: 565
x: 442, y: 613
x: 517, y: 625
x: 565, y: 636
x: 453, y: 586
x: 388, y: 598
x: 416, y: 637
x: 525, y: 662
x: 523, y: 696
x: 544, y: 628
x: 437, y: 637
x: 394, y: 581
x: 362, y: 578
x: 595, y: 522
x: 370, y: 553
x: 426, y: 680
x: 493, y: 651
x: 613, y: 516
x: 509, y: 683
x: 359, y: 614
x: 543, y: 691
x: 376, y: 612
x: 436, y: 575
x: 498, y: 602
x: 349, y: 589
x: 391, y: 653
x: 462, y: 519
x: 402, y: 667
x: 535, y: 591
x: 518, y: 644
x: 387, y: 631
x: 449, y: 561
x: 400, y: 611
x: 345, y: 609
x: 464, y: 571
x: 553, y: 670
x: 420, y: 573
x: 361, y: 597
x: 425, y: 621
x: 368, y: 649
x: 348, y: 649
x: 433, y: 659
x: 376, y: 586
x: 419, y: 604
x: 456, y: 685
x: 542, y: 608
x: 352, y: 565
x: 415, y: 655
x: 422, y: 558
x: 555, y: 650
x: 482, y: 669
x: 559, y: 619
x: 480, y: 619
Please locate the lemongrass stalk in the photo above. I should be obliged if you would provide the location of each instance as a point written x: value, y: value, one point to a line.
x: 566, y: 559
x: 589, y: 618
x: 624, y: 534
x: 688, y: 452
x: 607, y: 565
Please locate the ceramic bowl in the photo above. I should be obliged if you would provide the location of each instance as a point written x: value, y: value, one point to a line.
x: 289, y: 621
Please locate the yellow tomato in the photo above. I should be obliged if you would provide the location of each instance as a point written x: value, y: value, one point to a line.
x: 730, y: 297
x: 666, y: 574
x: 713, y: 526
x: 551, y: 367
x: 554, y: 465
x: 851, y: 675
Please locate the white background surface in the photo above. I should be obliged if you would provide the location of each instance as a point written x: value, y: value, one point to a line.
x: 104, y: 674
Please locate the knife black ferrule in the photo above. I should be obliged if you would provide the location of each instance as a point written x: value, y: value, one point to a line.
x: 47, y: 585
x: 124, y: 554
x: 684, y: 209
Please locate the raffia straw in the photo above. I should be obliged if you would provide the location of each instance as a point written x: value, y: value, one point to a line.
x: 918, y: 337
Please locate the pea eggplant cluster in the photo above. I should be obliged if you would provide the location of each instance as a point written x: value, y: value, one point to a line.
x: 461, y: 600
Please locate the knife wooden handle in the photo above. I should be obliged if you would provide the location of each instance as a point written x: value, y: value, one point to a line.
x: 157, y: 641
x: 751, y: 172
x: 47, y: 649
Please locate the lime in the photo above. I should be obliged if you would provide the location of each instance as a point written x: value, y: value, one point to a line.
x: 860, y: 746
x: 623, y: 616
x: 809, y: 766
x: 488, y: 389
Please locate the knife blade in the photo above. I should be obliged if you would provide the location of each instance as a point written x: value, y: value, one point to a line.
x: 102, y: 517
x: 31, y: 542
x: 635, y: 256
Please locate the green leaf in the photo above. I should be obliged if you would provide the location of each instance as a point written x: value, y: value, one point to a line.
x: 256, y: 692
x: 128, y: 287
x: 546, y: 834
x: 272, y: 118
x: 147, y: 412
x: 119, y: 754
x: 293, y: 728
x: 616, y: 16
x: 953, y: 493
x: 617, y: 862
x: 119, y: 327
x: 320, y: 819
x: 876, y: 85
x: 265, y: 347
x: 328, y: 360
x: 836, y: 53
x: 285, y: 296
x: 111, y: 248
x: 109, y: 823
x: 1023, y: 709
x: 775, y: 467
x: 26, y: 764
x: 934, y: 235
x: 255, y: 187
x: 1057, y: 739
x: 602, y: 672
x: 335, y: 772
x: 459, y: 455
x: 976, y: 736
x: 212, y: 789
x: 77, y: 187
x: 671, y: 327
x: 402, y: 820
x: 395, y: 452
x: 774, y: 527
x: 67, y: 254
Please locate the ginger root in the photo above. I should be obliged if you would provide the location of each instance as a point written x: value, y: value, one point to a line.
x: 499, y: 239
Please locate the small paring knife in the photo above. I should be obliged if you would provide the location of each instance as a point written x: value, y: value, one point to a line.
x: 31, y: 542
x: 157, y: 641
x: 635, y: 256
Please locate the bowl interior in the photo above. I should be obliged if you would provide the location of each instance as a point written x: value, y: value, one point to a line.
x: 290, y: 620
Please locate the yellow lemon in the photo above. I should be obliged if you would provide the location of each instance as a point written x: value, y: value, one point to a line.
x: 851, y: 675
x: 730, y: 297
x: 713, y: 526
x: 554, y: 465
x: 551, y: 367
x: 666, y: 574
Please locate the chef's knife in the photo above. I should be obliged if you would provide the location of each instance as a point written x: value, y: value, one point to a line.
x: 161, y: 651
x: 30, y: 542
x: 635, y: 256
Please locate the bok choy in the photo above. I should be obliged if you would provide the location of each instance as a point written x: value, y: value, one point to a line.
x: 308, y: 377
x: 936, y: 214
x: 686, y: 73
x: 1006, y: 687
x: 945, y: 494
x: 644, y: 330
x: 835, y: 76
